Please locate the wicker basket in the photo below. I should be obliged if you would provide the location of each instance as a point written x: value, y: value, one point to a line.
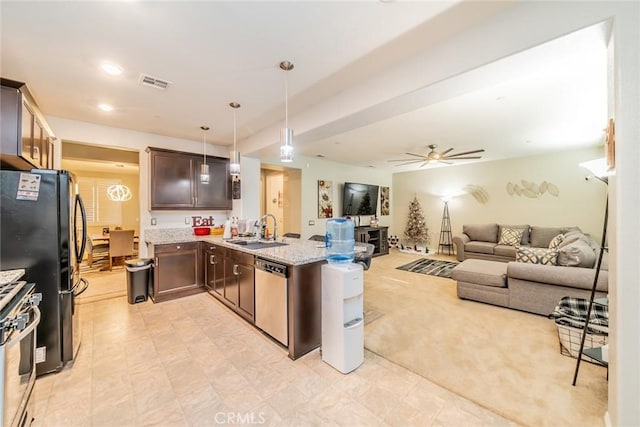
x: 570, y: 337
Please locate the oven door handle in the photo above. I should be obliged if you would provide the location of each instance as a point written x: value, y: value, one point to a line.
x: 26, y: 331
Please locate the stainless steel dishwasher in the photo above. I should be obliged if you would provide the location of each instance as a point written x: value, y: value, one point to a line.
x: 271, y: 299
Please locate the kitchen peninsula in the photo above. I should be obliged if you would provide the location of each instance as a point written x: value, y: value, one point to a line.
x: 186, y: 264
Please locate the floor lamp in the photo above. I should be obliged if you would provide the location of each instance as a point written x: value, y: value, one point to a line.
x: 600, y: 174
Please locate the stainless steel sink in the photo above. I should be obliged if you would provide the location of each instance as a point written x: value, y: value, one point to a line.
x: 258, y: 244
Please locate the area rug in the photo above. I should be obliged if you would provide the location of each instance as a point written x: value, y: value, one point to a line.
x: 505, y: 360
x: 432, y: 267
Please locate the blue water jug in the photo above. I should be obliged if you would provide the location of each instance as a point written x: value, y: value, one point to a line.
x: 340, y: 241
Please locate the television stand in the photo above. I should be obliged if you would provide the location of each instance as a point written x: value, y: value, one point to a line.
x: 377, y: 236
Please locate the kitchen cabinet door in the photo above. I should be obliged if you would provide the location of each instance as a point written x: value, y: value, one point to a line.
x: 217, y: 193
x: 214, y: 269
x: 230, y: 281
x: 23, y: 128
x: 175, y: 181
x: 171, y: 180
x: 177, y: 271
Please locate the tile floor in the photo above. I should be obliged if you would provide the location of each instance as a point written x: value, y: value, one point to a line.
x: 191, y: 362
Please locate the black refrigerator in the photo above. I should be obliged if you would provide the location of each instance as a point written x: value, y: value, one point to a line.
x: 43, y: 231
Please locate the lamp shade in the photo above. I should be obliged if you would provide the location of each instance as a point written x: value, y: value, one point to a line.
x: 204, y: 173
x: 234, y: 164
x: 286, y: 145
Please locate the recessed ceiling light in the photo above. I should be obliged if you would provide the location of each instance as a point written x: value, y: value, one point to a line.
x: 119, y: 165
x: 111, y: 69
x: 105, y: 107
x: 320, y: 155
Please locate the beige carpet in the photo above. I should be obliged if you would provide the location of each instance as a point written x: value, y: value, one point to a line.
x: 505, y: 360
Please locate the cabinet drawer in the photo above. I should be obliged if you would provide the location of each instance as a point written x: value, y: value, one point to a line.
x: 240, y: 257
x: 175, y: 247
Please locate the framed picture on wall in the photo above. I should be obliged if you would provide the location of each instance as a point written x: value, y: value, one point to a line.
x: 325, y: 199
x: 384, y: 201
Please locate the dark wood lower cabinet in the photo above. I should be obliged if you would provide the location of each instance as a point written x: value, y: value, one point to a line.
x: 177, y: 271
x: 230, y: 278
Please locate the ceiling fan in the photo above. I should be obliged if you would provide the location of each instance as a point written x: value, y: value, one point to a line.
x: 434, y: 156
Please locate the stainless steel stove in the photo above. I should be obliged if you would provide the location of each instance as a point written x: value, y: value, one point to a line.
x: 19, y: 317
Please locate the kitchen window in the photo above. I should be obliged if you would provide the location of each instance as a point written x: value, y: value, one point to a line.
x: 100, y: 209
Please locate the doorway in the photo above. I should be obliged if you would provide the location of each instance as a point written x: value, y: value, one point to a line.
x: 108, y: 181
x: 280, y: 189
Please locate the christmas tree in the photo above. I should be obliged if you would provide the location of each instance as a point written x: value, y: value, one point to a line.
x: 365, y: 205
x: 416, y: 229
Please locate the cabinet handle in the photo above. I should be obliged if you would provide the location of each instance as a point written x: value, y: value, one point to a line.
x: 212, y: 259
x: 178, y: 247
x: 236, y: 272
x: 157, y: 261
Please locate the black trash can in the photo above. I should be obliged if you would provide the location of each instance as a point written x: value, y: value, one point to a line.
x: 138, y: 279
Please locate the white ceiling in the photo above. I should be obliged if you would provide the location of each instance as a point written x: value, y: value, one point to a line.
x: 551, y: 97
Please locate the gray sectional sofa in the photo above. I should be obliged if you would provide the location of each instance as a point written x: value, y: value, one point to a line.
x: 489, y: 271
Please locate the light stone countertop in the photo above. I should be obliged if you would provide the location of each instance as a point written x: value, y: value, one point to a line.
x: 296, y: 252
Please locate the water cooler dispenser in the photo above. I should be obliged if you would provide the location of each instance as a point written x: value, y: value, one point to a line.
x: 342, y: 300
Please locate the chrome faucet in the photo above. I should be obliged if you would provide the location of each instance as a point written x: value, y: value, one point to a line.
x: 263, y: 220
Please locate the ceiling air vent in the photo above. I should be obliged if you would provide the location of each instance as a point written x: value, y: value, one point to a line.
x: 150, y: 81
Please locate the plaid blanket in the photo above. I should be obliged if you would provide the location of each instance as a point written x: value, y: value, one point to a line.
x: 572, y: 311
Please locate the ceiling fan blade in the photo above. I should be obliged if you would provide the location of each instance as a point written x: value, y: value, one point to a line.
x: 445, y: 152
x: 416, y: 155
x: 413, y: 162
x: 424, y: 164
x: 463, y: 158
x: 406, y: 160
x: 466, y: 152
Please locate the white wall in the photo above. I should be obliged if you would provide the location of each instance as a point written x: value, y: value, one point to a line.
x: 89, y: 133
x: 580, y: 202
x: 314, y: 169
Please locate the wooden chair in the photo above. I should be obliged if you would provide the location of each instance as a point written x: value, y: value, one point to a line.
x: 120, y: 245
x: 98, y: 251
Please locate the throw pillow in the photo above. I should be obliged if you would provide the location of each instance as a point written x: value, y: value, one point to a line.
x: 536, y: 255
x: 510, y: 236
x: 577, y: 254
x: 555, y: 242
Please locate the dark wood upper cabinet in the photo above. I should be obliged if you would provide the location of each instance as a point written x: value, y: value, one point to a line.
x: 26, y: 139
x: 175, y: 181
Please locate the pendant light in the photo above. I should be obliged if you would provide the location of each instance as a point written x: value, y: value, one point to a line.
x: 234, y: 166
x: 119, y: 193
x: 204, y: 168
x: 286, y: 133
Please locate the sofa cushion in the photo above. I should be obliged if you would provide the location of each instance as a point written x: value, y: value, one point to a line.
x: 576, y: 277
x: 525, y: 235
x: 541, y: 236
x: 481, y: 232
x: 572, y: 237
x: 556, y: 241
x: 479, y: 247
x: 505, y: 251
x: 481, y: 272
x: 576, y: 254
x: 536, y: 255
x: 510, y: 236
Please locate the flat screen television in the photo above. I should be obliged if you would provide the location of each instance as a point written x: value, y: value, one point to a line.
x: 359, y: 199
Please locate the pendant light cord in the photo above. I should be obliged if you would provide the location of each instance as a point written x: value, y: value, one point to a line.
x: 234, y: 132
x: 286, y: 100
x: 204, y: 146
